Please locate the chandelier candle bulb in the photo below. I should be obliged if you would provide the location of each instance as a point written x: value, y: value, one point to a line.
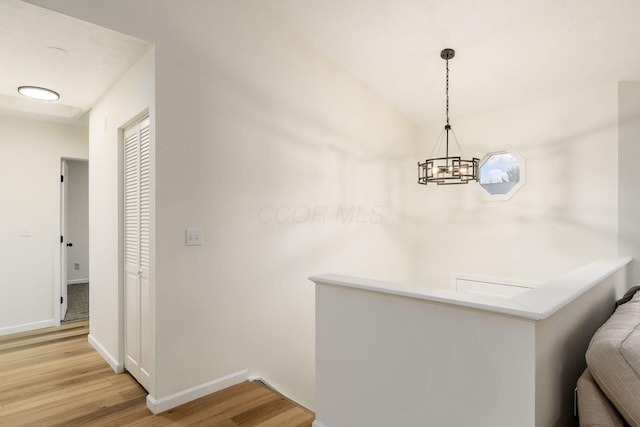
x: 448, y: 169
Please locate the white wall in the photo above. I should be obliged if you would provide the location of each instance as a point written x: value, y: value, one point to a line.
x: 563, y: 217
x: 131, y: 96
x: 31, y: 152
x: 262, y: 158
x: 77, y: 228
x: 629, y: 175
x: 252, y: 125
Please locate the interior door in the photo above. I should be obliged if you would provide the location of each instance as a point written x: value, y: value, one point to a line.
x: 137, y: 166
x: 64, y: 204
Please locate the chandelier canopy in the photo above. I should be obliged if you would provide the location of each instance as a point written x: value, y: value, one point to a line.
x: 448, y: 169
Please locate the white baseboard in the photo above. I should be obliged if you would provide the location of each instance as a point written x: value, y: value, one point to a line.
x: 7, y: 330
x: 77, y: 281
x: 318, y: 424
x: 117, y: 367
x: 165, y: 403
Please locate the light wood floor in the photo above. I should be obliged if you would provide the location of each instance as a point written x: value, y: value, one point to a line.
x: 52, y: 377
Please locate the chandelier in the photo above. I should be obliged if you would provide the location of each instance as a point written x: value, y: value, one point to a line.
x: 448, y: 169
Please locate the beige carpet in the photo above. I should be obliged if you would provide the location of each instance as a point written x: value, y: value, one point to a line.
x: 78, y: 302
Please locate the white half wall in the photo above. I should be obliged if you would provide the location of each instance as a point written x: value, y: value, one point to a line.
x: 78, y: 221
x: 30, y: 218
x: 564, y: 216
x: 387, y: 360
x: 390, y: 354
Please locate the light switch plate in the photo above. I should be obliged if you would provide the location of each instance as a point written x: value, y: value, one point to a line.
x: 193, y: 237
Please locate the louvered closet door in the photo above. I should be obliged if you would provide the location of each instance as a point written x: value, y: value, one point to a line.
x: 137, y: 175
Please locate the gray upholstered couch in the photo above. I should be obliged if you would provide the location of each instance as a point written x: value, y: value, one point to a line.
x: 609, y: 389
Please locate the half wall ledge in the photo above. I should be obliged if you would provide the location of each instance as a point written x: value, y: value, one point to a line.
x: 536, y: 304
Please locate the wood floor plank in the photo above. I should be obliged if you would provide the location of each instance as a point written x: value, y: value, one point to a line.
x: 219, y: 408
x: 292, y: 417
x: 52, y: 377
x: 261, y: 413
x: 46, y: 331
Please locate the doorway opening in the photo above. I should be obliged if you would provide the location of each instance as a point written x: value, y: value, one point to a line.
x: 74, y: 240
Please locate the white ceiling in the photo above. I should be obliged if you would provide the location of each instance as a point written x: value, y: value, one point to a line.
x: 79, y: 60
x: 507, y: 51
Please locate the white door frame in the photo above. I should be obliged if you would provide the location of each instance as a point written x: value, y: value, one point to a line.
x: 58, y: 258
x: 64, y: 240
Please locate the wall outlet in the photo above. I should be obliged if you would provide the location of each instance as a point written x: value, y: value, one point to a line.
x: 193, y: 237
x: 76, y: 266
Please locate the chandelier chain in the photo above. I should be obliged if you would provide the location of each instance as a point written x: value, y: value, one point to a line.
x: 447, y: 91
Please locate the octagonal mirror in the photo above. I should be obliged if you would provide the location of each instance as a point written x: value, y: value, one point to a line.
x: 501, y: 175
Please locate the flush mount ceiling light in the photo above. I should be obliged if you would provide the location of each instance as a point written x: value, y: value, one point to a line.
x: 40, y: 93
x: 448, y: 169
